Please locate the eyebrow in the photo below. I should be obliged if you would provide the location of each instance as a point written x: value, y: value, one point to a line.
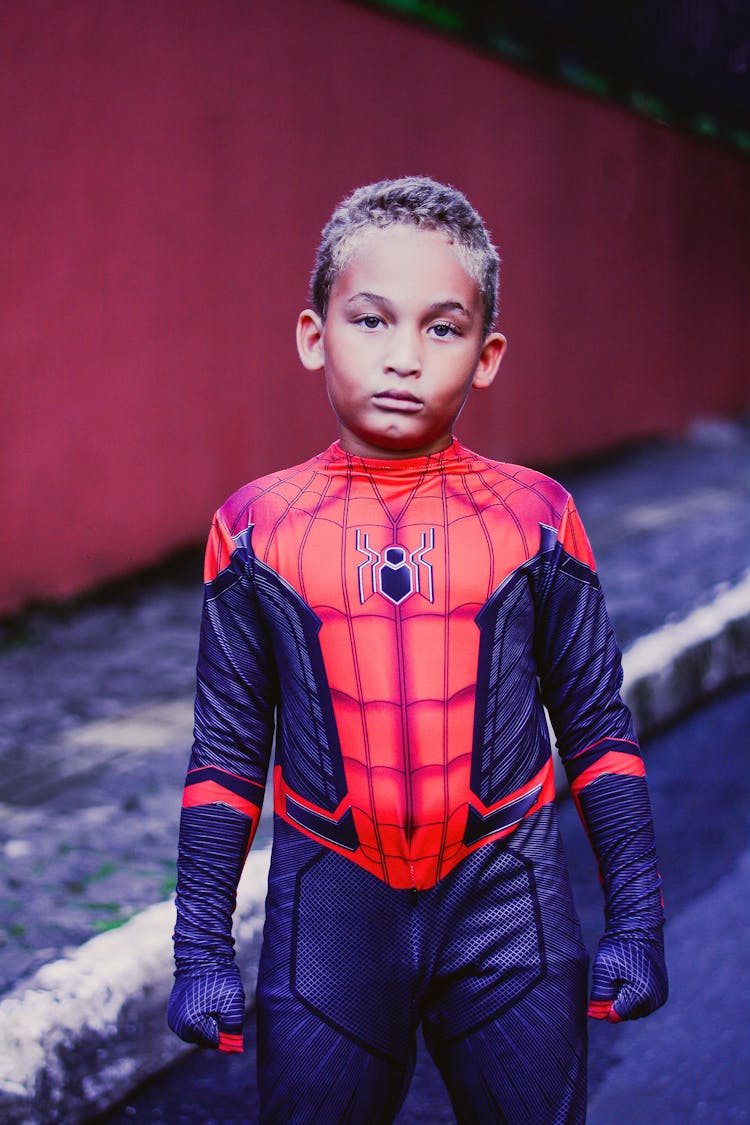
x: 450, y: 306
x: 435, y: 309
x: 365, y: 295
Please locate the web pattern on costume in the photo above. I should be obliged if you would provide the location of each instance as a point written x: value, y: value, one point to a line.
x: 639, y: 970
x: 208, y: 1008
x: 397, y: 615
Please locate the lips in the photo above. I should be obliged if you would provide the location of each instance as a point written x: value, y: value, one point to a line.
x: 396, y: 399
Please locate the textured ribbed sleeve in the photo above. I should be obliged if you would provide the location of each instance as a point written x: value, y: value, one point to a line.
x: 581, y: 677
x: 234, y: 714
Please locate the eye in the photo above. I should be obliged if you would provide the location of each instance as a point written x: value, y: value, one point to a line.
x: 445, y: 329
x: 369, y: 321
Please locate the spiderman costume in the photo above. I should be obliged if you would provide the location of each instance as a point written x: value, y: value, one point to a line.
x: 400, y: 624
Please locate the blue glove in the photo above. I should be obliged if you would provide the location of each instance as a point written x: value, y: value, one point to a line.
x: 629, y: 978
x: 207, y: 1007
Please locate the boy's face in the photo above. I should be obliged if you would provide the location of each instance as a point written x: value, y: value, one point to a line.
x: 402, y: 343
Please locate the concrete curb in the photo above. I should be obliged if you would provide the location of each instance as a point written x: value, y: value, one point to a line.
x: 86, y: 1029
x: 672, y: 670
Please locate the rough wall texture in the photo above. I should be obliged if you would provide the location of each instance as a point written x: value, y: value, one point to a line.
x: 166, y: 169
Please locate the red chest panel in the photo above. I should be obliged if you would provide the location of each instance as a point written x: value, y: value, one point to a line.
x: 396, y: 562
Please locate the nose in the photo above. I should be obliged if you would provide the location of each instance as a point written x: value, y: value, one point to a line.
x: 404, y: 355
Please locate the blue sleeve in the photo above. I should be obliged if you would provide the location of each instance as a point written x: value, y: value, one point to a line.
x: 580, y: 679
x: 234, y: 720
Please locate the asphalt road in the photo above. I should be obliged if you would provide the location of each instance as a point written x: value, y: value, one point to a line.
x: 688, y: 1064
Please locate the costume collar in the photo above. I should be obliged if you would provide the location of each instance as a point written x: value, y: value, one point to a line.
x: 399, y: 466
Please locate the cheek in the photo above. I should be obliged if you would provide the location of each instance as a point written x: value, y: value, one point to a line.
x: 342, y: 390
x: 343, y: 363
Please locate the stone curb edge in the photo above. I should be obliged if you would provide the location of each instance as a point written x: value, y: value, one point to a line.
x: 86, y: 1029
x: 669, y: 672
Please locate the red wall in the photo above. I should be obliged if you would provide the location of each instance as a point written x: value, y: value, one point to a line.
x: 165, y: 168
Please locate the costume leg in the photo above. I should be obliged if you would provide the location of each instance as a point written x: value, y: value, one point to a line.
x: 528, y: 1065
x: 505, y: 1008
x: 309, y: 1073
x: 336, y: 1021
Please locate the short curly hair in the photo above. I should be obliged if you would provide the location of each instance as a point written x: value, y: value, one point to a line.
x: 414, y: 201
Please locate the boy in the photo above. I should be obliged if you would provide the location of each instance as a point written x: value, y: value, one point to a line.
x: 407, y: 606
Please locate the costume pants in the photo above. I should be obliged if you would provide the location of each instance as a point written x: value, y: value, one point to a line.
x: 490, y: 960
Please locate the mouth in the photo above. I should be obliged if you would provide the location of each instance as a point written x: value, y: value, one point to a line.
x: 396, y: 399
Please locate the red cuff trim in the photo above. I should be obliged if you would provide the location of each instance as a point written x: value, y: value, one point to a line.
x: 211, y: 793
x: 604, y: 1010
x: 231, y: 1044
x: 613, y: 763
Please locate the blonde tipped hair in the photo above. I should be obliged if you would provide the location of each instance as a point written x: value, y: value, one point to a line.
x: 412, y: 201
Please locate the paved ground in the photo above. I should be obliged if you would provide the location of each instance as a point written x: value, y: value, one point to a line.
x: 96, y: 705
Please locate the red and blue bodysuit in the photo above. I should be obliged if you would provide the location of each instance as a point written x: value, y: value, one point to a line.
x: 400, y: 625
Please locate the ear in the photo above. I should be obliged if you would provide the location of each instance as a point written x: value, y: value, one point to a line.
x: 310, y: 340
x: 493, y: 350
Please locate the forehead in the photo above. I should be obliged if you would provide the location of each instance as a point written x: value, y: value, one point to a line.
x: 402, y: 261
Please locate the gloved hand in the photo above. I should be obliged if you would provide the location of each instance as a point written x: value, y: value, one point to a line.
x: 207, y: 1007
x: 628, y: 979
x: 207, y: 1004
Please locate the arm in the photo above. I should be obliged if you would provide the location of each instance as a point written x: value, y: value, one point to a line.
x: 581, y: 677
x: 234, y: 714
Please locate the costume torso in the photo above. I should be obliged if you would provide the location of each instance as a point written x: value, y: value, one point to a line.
x: 399, y: 600
x: 398, y: 625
